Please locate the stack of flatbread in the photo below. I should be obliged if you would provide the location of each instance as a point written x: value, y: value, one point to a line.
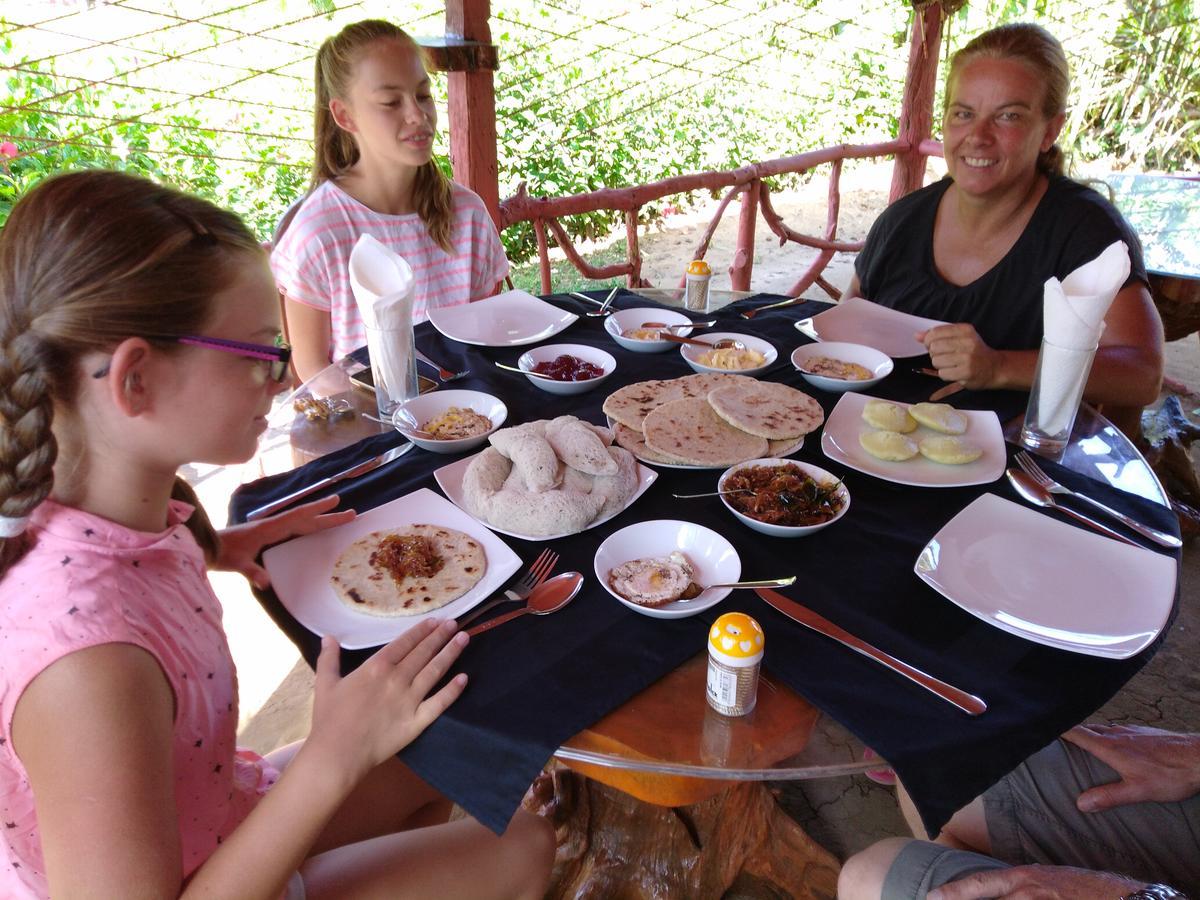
x: 711, y: 419
x: 549, y: 477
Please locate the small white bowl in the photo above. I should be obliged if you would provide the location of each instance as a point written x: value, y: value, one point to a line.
x: 551, y: 352
x: 874, y: 361
x: 691, y: 353
x: 713, y: 557
x: 634, y: 318
x: 416, y: 412
x: 815, y: 472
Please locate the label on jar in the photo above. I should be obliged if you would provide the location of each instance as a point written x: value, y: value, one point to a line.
x: 722, y: 687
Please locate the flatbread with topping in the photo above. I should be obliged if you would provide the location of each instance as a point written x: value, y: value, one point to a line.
x: 767, y: 409
x: 407, y: 571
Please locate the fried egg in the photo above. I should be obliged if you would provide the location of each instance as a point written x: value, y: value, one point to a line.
x: 652, y: 581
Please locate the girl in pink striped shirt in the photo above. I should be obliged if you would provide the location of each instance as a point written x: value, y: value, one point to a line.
x: 137, y: 334
x: 374, y: 173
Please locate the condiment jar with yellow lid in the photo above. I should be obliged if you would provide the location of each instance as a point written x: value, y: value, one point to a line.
x: 697, y: 280
x: 735, y: 652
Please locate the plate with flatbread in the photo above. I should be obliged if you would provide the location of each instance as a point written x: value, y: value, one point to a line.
x: 882, y: 438
x: 368, y: 581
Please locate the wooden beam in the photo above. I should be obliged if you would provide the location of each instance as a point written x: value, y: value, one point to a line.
x: 446, y: 54
x: 916, y: 111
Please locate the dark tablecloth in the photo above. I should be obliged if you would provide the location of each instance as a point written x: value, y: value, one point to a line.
x: 535, y: 682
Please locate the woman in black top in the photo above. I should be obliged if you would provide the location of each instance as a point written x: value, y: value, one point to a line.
x: 975, y: 248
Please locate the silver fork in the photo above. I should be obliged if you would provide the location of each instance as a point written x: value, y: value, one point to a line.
x: 537, y: 573
x: 444, y: 375
x: 1025, y: 461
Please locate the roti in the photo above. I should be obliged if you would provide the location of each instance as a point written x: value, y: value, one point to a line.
x: 366, y: 586
x: 767, y: 409
x: 785, y: 446
x: 692, y: 431
x: 631, y: 404
x: 635, y: 443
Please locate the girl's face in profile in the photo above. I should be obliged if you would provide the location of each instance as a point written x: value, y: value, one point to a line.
x: 994, y: 127
x: 389, y: 105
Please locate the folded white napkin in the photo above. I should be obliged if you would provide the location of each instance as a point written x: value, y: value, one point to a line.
x: 382, y: 282
x: 1073, y: 313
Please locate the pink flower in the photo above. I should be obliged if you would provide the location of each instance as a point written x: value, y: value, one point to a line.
x: 9, y: 149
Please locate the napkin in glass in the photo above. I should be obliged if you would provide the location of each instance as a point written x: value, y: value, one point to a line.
x: 1073, y: 313
x: 382, y: 282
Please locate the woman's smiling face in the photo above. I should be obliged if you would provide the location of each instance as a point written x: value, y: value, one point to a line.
x: 994, y: 126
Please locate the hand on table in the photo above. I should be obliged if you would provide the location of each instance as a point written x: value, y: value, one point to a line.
x: 241, y: 544
x: 1153, y: 765
x: 1037, y: 883
x: 365, y: 717
x: 960, y: 355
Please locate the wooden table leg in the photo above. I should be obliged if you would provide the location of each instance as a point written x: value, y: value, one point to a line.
x: 612, y: 845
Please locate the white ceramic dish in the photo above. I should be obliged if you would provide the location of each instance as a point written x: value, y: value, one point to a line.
x: 822, y: 476
x: 864, y: 322
x: 634, y: 318
x: 878, y: 363
x: 504, y: 320
x: 300, y: 570
x: 713, y: 558
x: 550, y: 352
x: 664, y: 465
x: 450, y: 480
x: 839, y: 441
x: 419, y: 410
x: 691, y: 353
x: 1052, y: 583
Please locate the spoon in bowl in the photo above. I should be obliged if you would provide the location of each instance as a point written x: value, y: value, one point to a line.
x: 695, y: 590
x: 722, y: 344
x: 549, y: 597
x: 663, y: 326
x: 528, y: 372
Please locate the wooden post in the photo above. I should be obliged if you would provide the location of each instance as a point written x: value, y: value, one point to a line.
x: 743, y: 257
x: 470, y: 58
x: 916, y: 111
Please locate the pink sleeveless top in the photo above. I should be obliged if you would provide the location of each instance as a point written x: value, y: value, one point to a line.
x: 88, y: 581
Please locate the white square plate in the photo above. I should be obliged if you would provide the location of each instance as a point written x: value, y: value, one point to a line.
x: 839, y: 441
x: 450, y: 480
x: 300, y: 570
x: 860, y: 321
x: 1050, y: 582
x: 505, y: 320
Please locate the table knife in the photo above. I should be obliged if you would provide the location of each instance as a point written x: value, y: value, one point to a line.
x: 362, y: 468
x: 797, y: 612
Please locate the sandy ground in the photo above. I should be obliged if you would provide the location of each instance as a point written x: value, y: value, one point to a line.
x: 845, y: 813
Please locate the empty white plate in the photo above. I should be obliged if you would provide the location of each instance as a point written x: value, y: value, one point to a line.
x: 860, y: 321
x: 1049, y: 582
x: 505, y: 320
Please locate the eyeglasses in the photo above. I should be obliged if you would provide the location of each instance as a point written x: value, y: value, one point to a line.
x: 278, y: 356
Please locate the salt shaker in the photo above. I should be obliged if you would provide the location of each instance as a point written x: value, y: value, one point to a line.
x: 698, y: 278
x: 735, y: 652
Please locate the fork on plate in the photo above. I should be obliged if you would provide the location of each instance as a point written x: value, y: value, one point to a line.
x: 1025, y: 461
x: 538, y: 571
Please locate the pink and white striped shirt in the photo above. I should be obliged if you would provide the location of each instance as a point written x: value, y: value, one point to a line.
x: 311, y: 261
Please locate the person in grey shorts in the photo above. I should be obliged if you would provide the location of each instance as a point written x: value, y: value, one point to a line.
x: 1109, y: 811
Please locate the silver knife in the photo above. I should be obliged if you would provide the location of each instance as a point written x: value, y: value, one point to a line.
x: 362, y: 468
x: 968, y: 703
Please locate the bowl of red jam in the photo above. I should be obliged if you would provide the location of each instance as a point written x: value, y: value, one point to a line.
x: 569, y: 368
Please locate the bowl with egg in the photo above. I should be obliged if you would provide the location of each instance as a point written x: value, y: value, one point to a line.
x: 756, y: 356
x: 568, y: 368
x: 783, y: 498
x: 839, y: 366
x: 661, y: 568
x: 452, y: 421
x: 638, y: 329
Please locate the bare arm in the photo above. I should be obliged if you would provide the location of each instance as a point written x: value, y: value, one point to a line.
x: 308, y: 331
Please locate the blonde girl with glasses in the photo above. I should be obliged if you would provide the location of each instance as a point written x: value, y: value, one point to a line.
x: 139, y: 331
x: 374, y: 173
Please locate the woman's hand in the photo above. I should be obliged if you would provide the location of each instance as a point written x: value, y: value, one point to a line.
x: 1153, y: 765
x: 1037, y: 883
x: 241, y: 544
x: 365, y: 717
x: 960, y: 355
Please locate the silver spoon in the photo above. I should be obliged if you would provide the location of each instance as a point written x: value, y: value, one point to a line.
x: 550, y: 584
x: 528, y: 372
x: 604, y: 310
x: 712, y: 494
x: 546, y: 598
x: 404, y: 428
x: 764, y: 583
x: 722, y: 344
x: 1039, y: 496
x: 663, y: 326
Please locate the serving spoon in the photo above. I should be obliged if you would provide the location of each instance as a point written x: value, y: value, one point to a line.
x: 722, y: 344
x: 548, y: 597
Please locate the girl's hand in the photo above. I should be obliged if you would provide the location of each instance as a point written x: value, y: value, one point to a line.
x: 959, y: 354
x: 367, y: 716
x: 1153, y: 765
x: 1038, y: 883
x: 242, y: 544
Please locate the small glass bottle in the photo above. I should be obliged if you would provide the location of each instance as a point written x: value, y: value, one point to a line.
x: 697, y: 281
x: 735, y: 652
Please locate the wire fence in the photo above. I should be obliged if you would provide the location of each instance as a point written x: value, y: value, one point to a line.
x: 216, y: 95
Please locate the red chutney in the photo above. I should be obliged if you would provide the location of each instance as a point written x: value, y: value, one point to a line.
x: 568, y: 368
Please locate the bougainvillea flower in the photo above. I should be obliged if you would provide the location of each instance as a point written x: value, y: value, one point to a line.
x: 9, y: 149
